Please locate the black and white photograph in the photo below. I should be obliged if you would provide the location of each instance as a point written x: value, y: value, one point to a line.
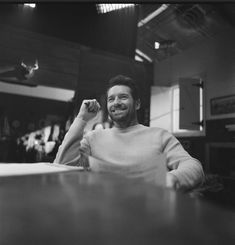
x: 117, y: 123
x: 223, y: 105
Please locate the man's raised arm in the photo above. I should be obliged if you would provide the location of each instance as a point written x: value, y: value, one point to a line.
x: 73, y: 145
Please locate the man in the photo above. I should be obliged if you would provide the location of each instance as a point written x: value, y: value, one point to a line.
x: 127, y: 143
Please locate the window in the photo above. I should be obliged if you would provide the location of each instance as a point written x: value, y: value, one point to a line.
x: 165, y: 107
x: 176, y: 112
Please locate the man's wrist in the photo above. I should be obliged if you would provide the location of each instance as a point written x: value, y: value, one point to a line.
x: 83, y: 118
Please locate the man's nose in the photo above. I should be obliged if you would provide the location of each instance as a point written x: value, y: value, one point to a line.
x: 117, y: 100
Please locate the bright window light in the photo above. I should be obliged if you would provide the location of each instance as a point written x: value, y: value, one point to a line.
x: 165, y: 110
x: 31, y: 5
x: 105, y: 8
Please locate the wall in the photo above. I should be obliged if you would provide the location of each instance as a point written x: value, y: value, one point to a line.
x: 213, y: 60
x: 160, y: 116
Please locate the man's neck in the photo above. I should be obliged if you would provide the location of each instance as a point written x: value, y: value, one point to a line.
x: 123, y: 125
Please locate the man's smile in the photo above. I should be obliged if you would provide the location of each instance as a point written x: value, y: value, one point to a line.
x: 118, y: 110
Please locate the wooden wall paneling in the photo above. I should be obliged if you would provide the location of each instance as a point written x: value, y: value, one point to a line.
x: 58, y: 59
x: 21, y: 39
x: 10, y: 56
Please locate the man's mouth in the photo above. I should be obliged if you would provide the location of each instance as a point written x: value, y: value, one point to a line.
x: 118, y: 110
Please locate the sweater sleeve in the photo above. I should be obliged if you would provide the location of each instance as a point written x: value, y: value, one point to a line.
x: 185, y: 168
x: 73, y: 145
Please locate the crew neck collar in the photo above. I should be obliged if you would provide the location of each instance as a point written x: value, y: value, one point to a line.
x: 133, y: 127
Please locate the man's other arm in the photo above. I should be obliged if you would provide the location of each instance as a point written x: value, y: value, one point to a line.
x: 186, y: 172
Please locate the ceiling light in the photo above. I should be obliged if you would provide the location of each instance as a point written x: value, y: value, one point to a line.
x: 140, y: 53
x: 138, y: 58
x: 156, y: 45
x: 31, y: 5
x: 162, y: 8
x: 105, y: 8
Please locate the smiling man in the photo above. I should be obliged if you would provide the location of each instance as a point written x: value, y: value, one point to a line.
x: 128, y: 145
x: 122, y: 105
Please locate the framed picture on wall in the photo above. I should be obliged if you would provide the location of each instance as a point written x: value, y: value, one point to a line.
x: 223, y: 105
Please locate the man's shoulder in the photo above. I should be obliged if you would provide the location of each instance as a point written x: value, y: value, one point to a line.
x: 154, y: 129
x: 160, y: 132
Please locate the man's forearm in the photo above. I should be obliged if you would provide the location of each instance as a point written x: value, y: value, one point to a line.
x: 68, y: 152
x: 189, y: 174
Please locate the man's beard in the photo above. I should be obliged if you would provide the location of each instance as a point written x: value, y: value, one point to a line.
x: 125, y: 118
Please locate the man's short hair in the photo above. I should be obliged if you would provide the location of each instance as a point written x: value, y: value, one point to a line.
x: 126, y: 81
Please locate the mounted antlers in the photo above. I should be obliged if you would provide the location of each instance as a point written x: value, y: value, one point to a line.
x: 29, y: 69
x: 18, y: 73
x: 34, y: 67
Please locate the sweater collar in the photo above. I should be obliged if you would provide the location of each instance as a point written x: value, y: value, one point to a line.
x: 128, y: 129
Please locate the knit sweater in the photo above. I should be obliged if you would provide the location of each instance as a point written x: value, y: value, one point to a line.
x: 131, y: 146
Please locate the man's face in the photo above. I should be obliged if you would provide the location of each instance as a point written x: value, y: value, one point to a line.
x: 120, y: 104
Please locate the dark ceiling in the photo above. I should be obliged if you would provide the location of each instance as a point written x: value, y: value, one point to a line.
x: 180, y: 25
x: 76, y: 22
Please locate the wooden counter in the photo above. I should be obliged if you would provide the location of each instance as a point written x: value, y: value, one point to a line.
x: 89, y: 208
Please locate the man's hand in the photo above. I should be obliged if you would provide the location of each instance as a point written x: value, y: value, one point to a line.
x: 172, y: 182
x: 89, y: 109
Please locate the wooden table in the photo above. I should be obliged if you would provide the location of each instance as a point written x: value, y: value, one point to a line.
x: 89, y: 208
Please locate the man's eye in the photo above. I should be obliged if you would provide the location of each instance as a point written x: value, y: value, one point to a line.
x: 110, y: 99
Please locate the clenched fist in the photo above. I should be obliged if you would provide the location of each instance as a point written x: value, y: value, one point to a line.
x: 89, y: 109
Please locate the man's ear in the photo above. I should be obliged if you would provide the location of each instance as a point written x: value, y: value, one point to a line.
x: 137, y: 104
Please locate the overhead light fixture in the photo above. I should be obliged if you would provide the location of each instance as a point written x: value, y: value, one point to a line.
x: 164, y: 44
x: 143, y: 55
x: 31, y: 5
x: 162, y: 8
x: 138, y: 58
x: 105, y: 8
x: 156, y: 45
